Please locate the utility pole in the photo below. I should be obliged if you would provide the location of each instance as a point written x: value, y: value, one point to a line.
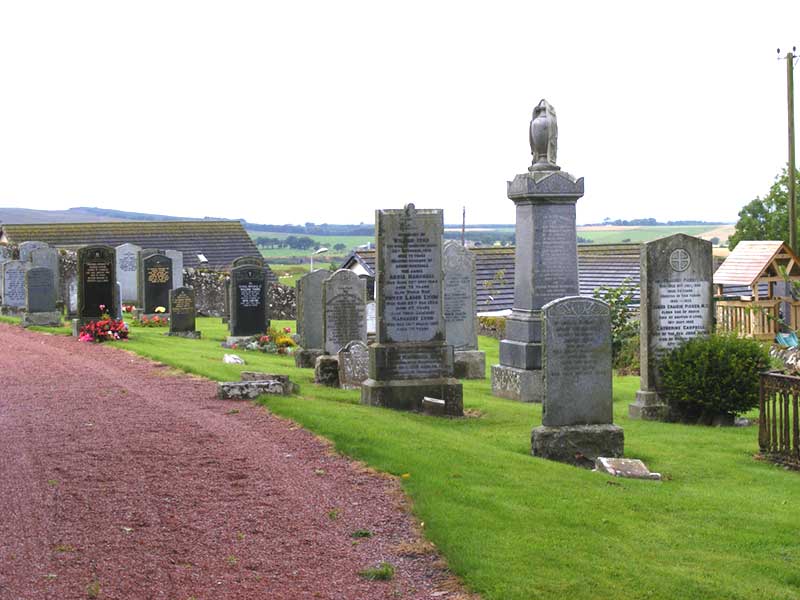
x: 792, y: 183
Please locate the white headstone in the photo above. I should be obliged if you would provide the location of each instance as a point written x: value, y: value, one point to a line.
x: 127, y: 271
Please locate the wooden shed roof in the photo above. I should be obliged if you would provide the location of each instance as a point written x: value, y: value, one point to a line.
x: 598, y: 265
x: 752, y: 260
x: 219, y: 241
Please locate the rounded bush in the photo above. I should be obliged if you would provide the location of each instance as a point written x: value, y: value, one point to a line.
x: 708, y: 376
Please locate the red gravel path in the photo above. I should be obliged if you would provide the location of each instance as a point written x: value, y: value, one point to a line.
x: 117, y: 476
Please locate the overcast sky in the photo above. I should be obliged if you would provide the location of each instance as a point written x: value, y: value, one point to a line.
x: 287, y: 112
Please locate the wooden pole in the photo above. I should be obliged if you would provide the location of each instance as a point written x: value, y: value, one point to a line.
x: 792, y: 182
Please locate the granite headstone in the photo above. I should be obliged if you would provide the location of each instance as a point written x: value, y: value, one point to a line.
x: 40, y: 290
x: 343, y: 296
x: 128, y: 271
x: 310, y: 316
x: 353, y: 365
x: 156, y: 282
x: 25, y: 249
x: 97, y: 288
x: 183, y: 312
x: 460, y: 311
x: 14, y: 283
x: 176, y: 256
x: 248, y: 302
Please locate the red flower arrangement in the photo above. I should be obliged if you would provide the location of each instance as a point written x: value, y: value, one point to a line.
x: 103, y: 330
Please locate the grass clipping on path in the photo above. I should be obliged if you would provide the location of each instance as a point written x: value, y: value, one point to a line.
x: 514, y: 527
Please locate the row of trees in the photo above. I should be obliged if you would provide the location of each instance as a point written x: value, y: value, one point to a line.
x: 294, y: 242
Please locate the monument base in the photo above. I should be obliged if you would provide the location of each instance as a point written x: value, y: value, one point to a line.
x: 648, y: 407
x: 578, y: 445
x: 11, y: 311
x: 408, y: 394
x: 307, y: 359
x: 469, y: 364
x: 192, y: 335
x: 42, y: 319
x: 517, y: 384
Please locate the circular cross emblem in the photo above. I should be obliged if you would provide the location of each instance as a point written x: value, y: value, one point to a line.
x: 679, y: 260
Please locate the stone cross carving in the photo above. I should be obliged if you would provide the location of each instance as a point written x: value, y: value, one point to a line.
x: 543, y: 137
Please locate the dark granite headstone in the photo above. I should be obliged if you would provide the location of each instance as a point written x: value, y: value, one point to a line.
x: 40, y: 290
x: 156, y: 282
x: 182, y: 310
x: 96, y: 282
x: 248, y: 301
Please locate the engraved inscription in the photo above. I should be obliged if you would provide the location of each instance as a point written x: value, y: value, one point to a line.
x: 678, y: 312
x: 182, y: 303
x: 14, y: 287
x: 97, y: 272
x: 555, y: 274
x: 158, y: 274
x: 250, y: 295
x: 344, y: 319
x: 127, y: 262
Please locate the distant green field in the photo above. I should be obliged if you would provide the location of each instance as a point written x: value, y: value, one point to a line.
x: 328, y: 241
x: 644, y: 234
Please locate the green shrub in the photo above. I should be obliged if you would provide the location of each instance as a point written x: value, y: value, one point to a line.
x: 713, y: 375
x: 623, y: 326
x: 626, y: 362
x: 492, y: 326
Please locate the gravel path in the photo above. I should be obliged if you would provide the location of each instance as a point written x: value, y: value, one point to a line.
x: 119, y: 479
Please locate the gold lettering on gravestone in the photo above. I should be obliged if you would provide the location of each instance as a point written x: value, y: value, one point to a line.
x: 98, y: 272
x: 158, y: 274
x: 182, y: 303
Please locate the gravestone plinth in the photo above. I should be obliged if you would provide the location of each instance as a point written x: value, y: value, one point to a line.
x: 127, y: 265
x: 676, y: 305
x: 343, y: 298
x: 410, y: 358
x: 40, y: 298
x: 577, y: 413
x: 248, y: 301
x: 461, y: 312
x: 97, y: 289
x: 155, y: 283
x: 310, y: 318
x: 182, y: 313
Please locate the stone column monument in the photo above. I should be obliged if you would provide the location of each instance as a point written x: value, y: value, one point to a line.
x: 676, y: 291
x: 410, y: 359
x: 546, y: 260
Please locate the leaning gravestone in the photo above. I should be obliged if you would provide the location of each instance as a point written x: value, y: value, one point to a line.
x: 40, y: 298
x: 128, y: 271
x: 353, y: 365
x: 461, y: 312
x: 25, y: 249
x: 97, y: 288
x: 182, y: 313
x: 410, y: 359
x: 343, y: 296
x: 676, y: 292
x: 577, y: 413
x: 14, y: 285
x: 155, y: 282
x: 310, y: 318
x: 545, y: 259
x: 176, y: 256
x: 248, y: 301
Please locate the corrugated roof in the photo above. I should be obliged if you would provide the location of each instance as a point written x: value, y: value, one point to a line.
x: 748, y: 261
x: 598, y: 265
x: 219, y: 241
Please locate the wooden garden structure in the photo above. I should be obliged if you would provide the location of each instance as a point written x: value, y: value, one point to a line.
x: 754, y: 273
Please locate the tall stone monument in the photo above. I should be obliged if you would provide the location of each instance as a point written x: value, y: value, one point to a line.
x: 461, y: 311
x: 546, y: 259
x: 410, y: 359
x: 343, y: 297
x: 577, y: 413
x: 676, y: 305
x: 128, y: 271
x: 310, y: 317
x: 97, y: 289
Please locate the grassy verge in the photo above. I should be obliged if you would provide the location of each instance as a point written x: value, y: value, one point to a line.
x: 515, y: 528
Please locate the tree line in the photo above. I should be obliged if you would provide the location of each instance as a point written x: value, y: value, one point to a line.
x: 295, y: 243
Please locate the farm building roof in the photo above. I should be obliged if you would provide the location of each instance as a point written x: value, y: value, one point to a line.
x: 598, y: 265
x: 219, y: 241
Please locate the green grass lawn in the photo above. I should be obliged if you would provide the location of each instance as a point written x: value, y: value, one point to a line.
x: 721, y: 525
x: 329, y: 241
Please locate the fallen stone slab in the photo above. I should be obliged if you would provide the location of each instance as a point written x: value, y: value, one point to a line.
x: 248, y: 390
x: 433, y: 407
x: 288, y: 385
x: 624, y: 467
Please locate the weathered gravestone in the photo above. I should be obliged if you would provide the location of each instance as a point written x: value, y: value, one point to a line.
x: 410, y: 359
x: 676, y: 292
x: 176, y: 256
x: 97, y: 288
x: 25, y: 249
x: 183, y: 313
x: 248, y: 301
x: 128, y: 271
x: 72, y: 296
x: 577, y: 414
x: 14, y: 285
x: 47, y: 257
x: 545, y: 260
x: 370, y: 308
x: 40, y: 298
x: 310, y: 318
x: 460, y: 311
x: 343, y: 297
x: 155, y: 282
x: 353, y: 365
